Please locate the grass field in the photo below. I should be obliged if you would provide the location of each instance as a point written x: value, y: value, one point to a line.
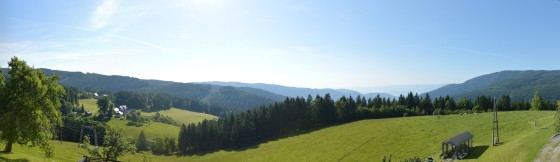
x: 65, y: 151
x: 155, y: 129
x: 89, y: 104
x: 370, y: 140
x: 183, y: 116
x: 152, y: 129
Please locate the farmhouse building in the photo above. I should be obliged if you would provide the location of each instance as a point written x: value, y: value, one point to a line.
x: 120, y: 111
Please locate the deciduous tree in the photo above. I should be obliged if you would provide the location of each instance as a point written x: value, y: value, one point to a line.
x: 538, y: 102
x: 116, y: 144
x: 105, y: 106
x: 29, y: 107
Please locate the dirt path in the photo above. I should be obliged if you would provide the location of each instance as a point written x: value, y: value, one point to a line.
x: 550, y: 151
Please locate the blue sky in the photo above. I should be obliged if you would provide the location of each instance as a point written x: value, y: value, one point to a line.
x: 317, y: 44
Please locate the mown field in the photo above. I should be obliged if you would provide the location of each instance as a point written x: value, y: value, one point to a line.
x: 89, y: 104
x: 151, y: 130
x: 183, y: 116
x: 371, y: 140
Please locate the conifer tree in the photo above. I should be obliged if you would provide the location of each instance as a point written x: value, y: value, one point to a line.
x: 142, y: 143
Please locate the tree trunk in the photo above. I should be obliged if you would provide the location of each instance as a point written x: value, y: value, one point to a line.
x: 8, y: 148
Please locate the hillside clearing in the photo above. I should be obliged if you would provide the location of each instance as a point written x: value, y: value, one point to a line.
x: 89, y: 104
x: 183, y: 116
x: 152, y: 129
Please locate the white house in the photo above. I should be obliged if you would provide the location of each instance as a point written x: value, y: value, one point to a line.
x: 120, y: 111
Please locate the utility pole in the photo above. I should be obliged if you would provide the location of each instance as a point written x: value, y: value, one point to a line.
x: 495, y: 128
x: 94, y: 134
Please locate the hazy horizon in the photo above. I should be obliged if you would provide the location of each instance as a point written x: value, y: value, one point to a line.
x: 312, y: 44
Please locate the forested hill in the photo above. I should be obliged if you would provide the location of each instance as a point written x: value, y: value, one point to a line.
x: 300, y: 92
x: 519, y: 85
x: 240, y: 98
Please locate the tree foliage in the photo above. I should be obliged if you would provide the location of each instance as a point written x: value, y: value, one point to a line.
x: 105, y: 106
x: 537, y: 103
x: 557, y: 118
x: 116, y: 144
x: 92, y: 150
x: 29, y: 107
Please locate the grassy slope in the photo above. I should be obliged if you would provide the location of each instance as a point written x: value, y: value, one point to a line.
x: 89, y: 104
x: 399, y: 137
x: 152, y: 129
x: 183, y: 116
x: 65, y: 151
x: 155, y: 129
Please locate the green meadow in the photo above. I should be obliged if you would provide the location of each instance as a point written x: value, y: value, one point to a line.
x: 183, y: 116
x: 522, y: 134
x: 89, y: 104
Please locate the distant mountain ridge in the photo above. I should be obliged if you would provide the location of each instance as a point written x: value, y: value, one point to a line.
x: 240, y: 98
x: 299, y: 92
x: 519, y: 85
x: 397, y: 90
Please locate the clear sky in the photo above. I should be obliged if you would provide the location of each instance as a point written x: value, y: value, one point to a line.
x: 317, y: 44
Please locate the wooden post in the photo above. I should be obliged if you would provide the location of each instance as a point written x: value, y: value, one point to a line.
x: 497, y: 127
x: 494, y: 123
x: 442, y: 146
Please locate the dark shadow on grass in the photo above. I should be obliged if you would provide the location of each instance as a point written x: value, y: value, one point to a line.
x: 477, y: 151
x: 134, y: 124
x: 256, y: 145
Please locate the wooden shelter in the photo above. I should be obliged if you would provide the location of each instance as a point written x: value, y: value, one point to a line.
x: 457, y: 144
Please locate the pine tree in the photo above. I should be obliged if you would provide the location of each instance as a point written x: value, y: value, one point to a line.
x: 142, y: 143
x: 183, y: 143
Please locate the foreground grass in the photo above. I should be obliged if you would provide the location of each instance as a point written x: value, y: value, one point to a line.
x: 183, y: 116
x: 370, y: 140
x: 65, y: 151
